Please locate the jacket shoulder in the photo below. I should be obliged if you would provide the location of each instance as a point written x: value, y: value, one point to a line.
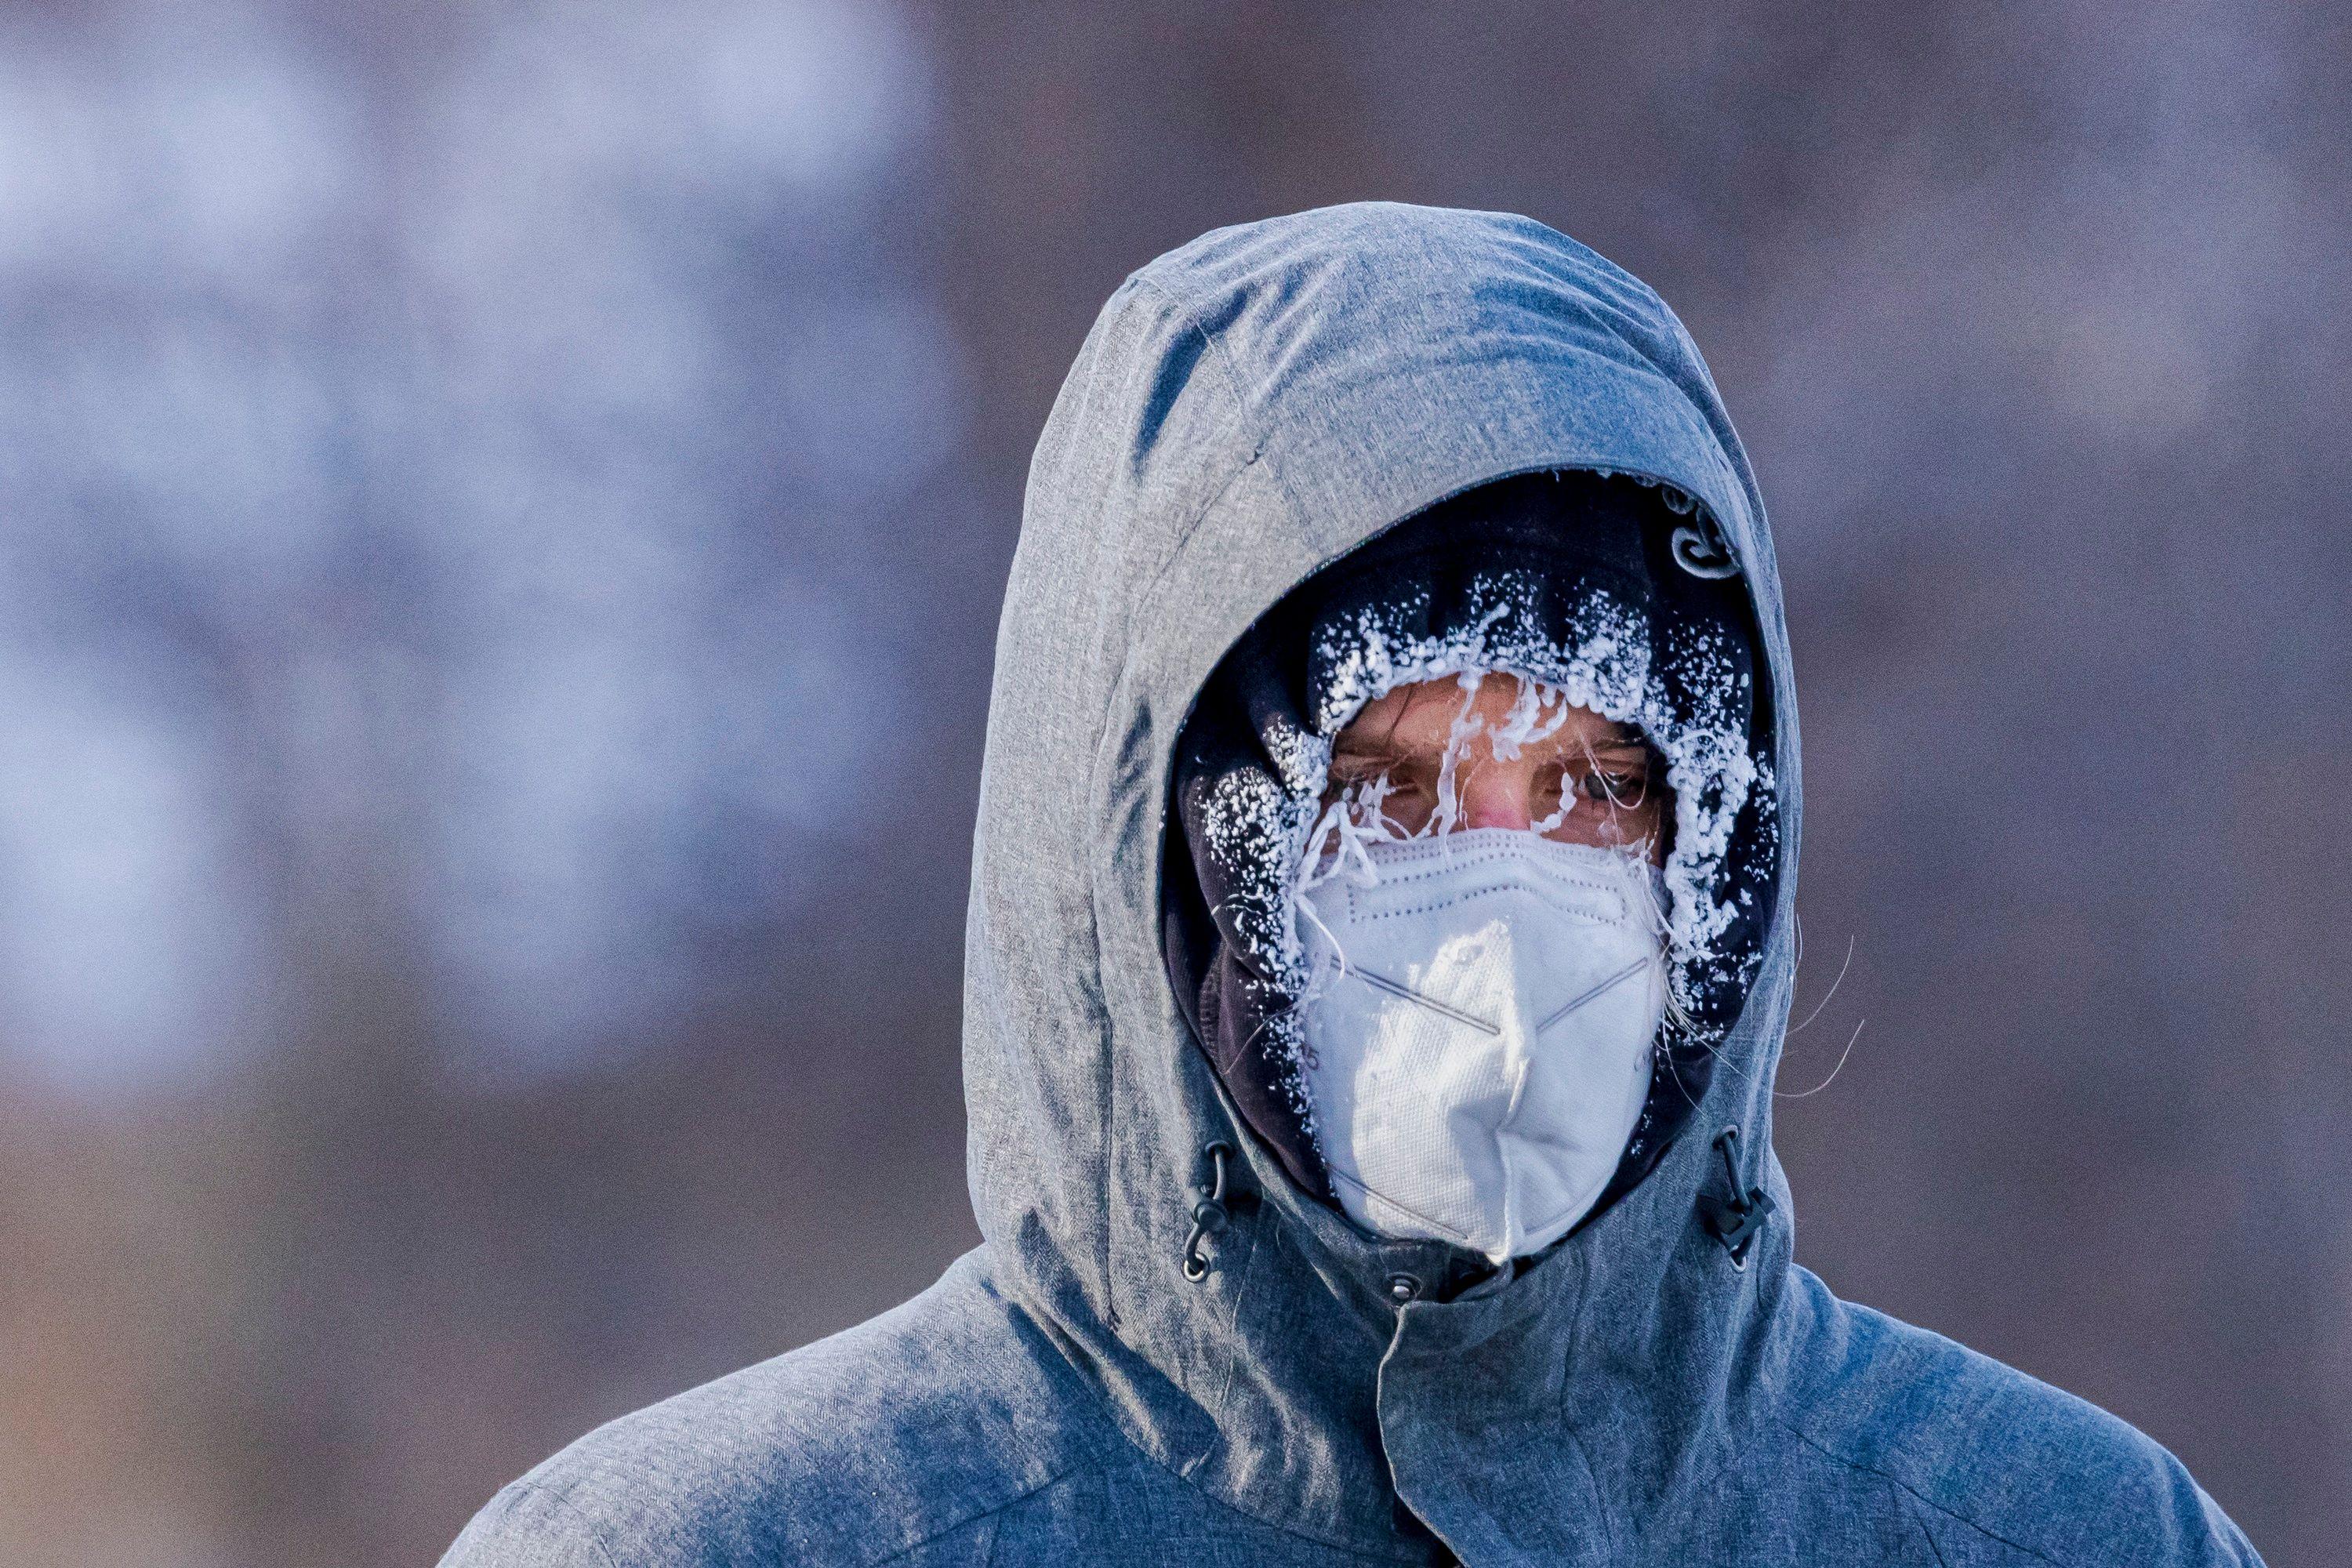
x: 857, y: 1448
x: 2017, y: 1470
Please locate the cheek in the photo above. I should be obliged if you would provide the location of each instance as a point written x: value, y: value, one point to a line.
x: 1657, y: 824
x: 1600, y: 824
x: 1409, y: 809
x: 1646, y: 820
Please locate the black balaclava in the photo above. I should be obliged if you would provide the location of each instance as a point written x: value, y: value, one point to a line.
x: 1615, y: 591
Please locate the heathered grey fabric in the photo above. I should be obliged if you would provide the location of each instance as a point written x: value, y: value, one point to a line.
x: 1246, y: 409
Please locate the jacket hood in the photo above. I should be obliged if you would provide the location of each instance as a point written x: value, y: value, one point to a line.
x: 1247, y: 410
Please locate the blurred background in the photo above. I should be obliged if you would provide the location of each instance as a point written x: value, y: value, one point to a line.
x: 505, y: 510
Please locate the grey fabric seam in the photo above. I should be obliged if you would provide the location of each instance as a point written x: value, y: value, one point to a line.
x: 1111, y: 1420
x: 1105, y: 1089
x: 1899, y: 1484
x: 1240, y: 416
x: 1575, y: 1437
x: 986, y: 1515
x: 587, y: 1523
x: 1233, y: 1357
x: 1351, y: 1548
x: 1243, y: 413
x: 1928, y: 1535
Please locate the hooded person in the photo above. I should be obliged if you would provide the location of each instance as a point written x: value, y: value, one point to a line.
x: 1379, y: 952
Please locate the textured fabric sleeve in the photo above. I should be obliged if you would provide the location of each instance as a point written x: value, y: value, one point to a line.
x: 526, y: 1526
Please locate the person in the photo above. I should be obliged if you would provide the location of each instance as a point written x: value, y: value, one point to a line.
x: 1379, y: 953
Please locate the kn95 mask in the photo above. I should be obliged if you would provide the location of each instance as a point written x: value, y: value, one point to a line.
x: 1478, y: 1031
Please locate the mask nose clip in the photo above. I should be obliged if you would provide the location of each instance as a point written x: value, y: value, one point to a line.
x: 1733, y: 1220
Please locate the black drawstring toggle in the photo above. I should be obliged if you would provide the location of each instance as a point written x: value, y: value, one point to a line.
x: 1211, y: 1211
x: 1733, y: 1220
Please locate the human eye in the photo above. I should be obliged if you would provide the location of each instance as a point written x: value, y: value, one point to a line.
x: 1613, y: 787
x: 1404, y: 796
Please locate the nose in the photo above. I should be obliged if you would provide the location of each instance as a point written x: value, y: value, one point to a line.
x: 1495, y: 794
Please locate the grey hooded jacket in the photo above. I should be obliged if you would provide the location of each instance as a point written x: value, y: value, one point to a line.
x: 1245, y: 410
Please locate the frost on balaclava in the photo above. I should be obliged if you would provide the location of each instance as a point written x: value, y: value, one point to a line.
x: 1575, y: 582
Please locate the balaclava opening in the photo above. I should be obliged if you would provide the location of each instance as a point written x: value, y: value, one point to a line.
x: 1616, y: 593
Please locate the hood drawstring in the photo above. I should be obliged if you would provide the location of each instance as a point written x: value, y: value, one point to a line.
x: 1733, y: 1220
x: 1211, y: 1211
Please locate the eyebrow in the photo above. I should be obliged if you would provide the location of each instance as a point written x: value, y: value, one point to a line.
x: 1378, y: 747
x: 1367, y: 746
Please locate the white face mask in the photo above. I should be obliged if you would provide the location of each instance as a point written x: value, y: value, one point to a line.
x: 1478, y: 1033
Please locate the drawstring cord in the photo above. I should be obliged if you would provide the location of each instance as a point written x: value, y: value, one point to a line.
x: 1734, y: 1220
x: 1211, y: 1213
